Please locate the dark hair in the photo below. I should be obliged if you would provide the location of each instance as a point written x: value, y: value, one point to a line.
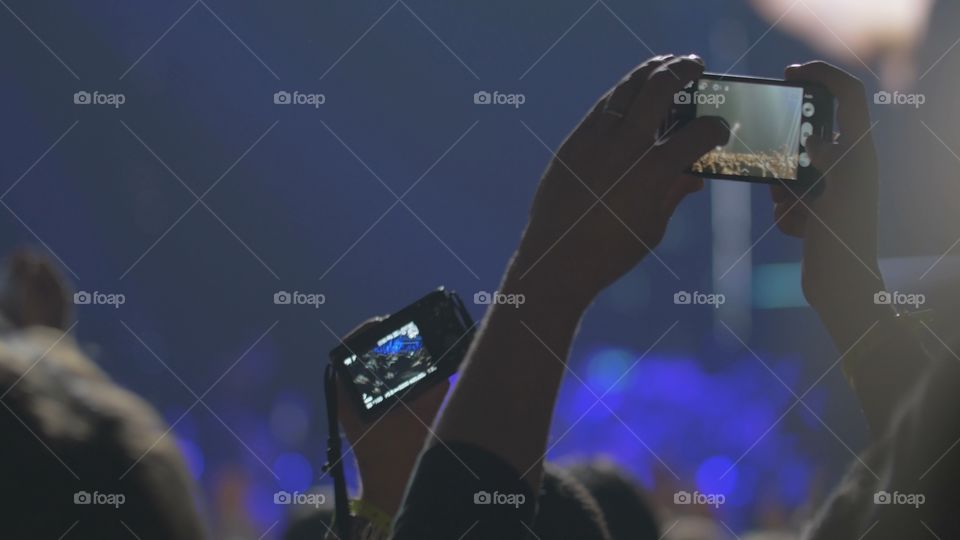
x: 566, y: 510
x: 32, y: 292
x: 625, y: 510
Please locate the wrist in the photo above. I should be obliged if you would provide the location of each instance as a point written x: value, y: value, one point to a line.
x: 851, y: 310
x: 387, y: 503
x: 383, y: 487
x: 555, y: 294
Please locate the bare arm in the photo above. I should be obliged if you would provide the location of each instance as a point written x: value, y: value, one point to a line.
x: 841, y: 273
x: 573, y: 247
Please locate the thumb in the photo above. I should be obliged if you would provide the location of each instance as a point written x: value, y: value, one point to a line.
x: 684, y: 185
x: 823, y: 154
x: 695, y: 139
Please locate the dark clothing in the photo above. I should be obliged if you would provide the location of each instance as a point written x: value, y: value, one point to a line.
x: 461, y: 491
x: 903, y: 486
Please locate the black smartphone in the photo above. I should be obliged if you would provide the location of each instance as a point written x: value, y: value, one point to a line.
x: 770, y: 121
x: 406, y: 353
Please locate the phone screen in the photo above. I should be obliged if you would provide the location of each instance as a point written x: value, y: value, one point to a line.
x: 398, y: 361
x: 769, y: 125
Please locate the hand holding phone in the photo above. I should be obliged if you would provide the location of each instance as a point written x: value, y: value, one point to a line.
x: 387, y: 436
x: 840, y: 266
x: 607, y: 196
x: 400, y: 356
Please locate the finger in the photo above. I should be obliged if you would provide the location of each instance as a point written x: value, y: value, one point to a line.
x: 365, y: 325
x: 791, y: 218
x: 619, y: 100
x: 780, y: 194
x: 692, y: 141
x: 684, y: 185
x: 428, y: 404
x: 653, y: 102
x: 853, y: 114
x: 823, y: 155
x: 347, y: 410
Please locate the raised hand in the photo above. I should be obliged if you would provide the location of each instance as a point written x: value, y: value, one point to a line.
x: 839, y: 228
x: 386, y: 448
x: 580, y: 244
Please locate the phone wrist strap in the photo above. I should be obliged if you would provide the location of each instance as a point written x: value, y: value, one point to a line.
x: 379, y: 523
x: 334, y: 464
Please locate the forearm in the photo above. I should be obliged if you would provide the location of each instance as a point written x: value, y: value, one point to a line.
x: 505, y: 397
x: 882, y: 356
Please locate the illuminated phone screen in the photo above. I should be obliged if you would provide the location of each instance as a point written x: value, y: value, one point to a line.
x: 399, y: 360
x: 769, y: 125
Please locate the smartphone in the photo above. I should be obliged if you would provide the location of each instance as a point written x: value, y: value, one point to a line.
x: 770, y: 121
x: 406, y: 353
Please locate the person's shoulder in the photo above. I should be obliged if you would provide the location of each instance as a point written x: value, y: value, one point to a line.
x: 31, y: 346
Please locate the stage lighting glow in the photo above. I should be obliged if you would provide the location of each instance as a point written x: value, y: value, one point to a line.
x: 666, y: 402
x: 855, y: 30
x: 259, y: 505
x: 289, y: 421
x: 717, y: 475
x: 193, y: 455
x: 294, y: 471
x: 606, y: 367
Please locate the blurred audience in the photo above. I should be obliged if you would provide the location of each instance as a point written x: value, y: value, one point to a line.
x: 82, y: 457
